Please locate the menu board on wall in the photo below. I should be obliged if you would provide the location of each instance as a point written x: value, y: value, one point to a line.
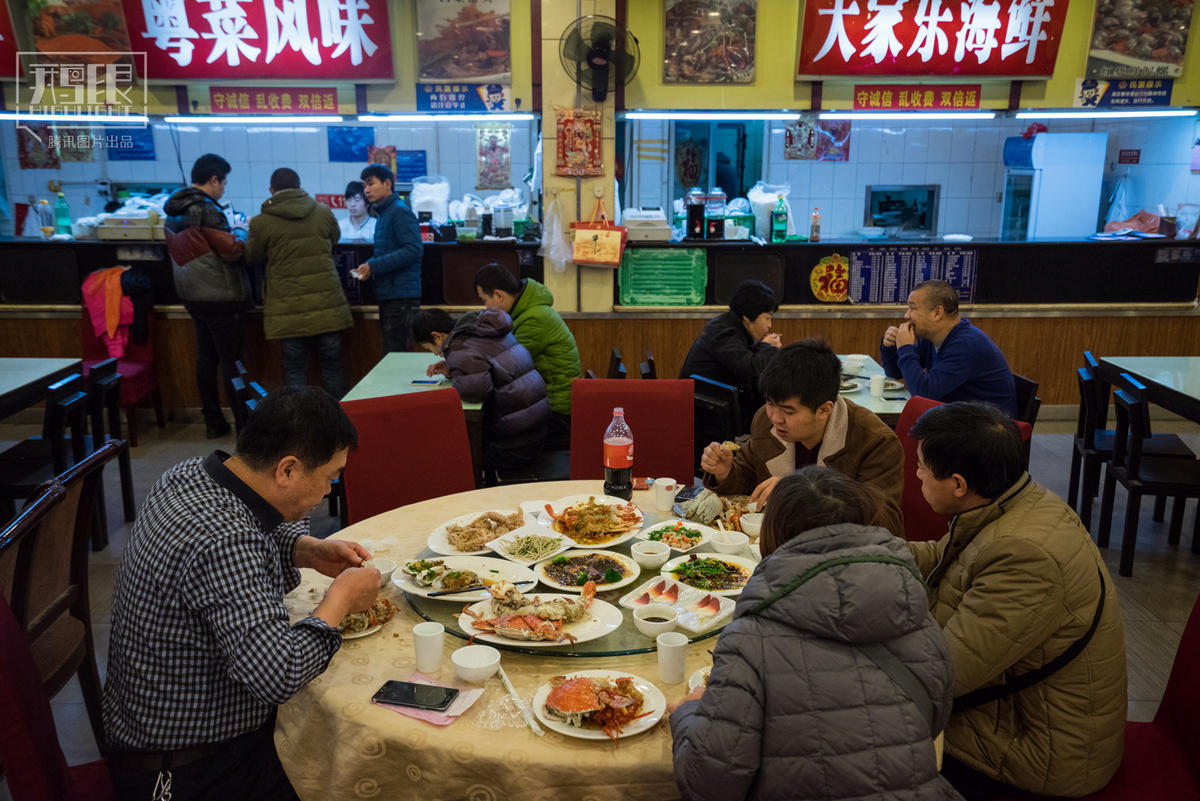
x: 257, y: 39
x: 8, y: 47
x: 463, y: 41
x: 1139, y: 38
x: 930, y: 37
x: 888, y: 274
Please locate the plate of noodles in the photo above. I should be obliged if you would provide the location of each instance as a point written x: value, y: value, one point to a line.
x: 470, y: 534
x: 360, y: 624
x: 592, y: 521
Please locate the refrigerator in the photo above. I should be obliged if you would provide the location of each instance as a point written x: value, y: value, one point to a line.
x: 1052, y: 185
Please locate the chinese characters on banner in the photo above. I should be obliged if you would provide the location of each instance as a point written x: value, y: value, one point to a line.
x: 272, y: 100
x: 1090, y: 93
x: 812, y: 139
x: 931, y: 37
x: 205, y: 39
x: 578, y: 142
x: 463, y: 40
x: 8, y: 47
x: 463, y: 97
x: 494, y: 157
x: 1139, y: 39
x: 927, y: 97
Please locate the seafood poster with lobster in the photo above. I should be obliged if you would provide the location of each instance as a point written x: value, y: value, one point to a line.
x: 493, y: 145
x: 811, y: 139
x: 75, y: 31
x: 709, y: 41
x: 578, y: 143
x: 1139, y: 38
x: 463, y: 40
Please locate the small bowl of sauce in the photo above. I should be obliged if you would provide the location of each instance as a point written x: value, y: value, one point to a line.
x: 655, y: 619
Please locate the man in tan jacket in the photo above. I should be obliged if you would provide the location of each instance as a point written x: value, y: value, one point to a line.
x: 1029, y: 610
x: 805, y: 422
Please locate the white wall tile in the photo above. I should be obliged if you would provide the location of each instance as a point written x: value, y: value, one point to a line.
x: 891, y: 173
x: 962, y: 148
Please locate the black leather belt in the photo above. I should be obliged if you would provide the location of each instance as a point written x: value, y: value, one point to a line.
x: 151, y: 761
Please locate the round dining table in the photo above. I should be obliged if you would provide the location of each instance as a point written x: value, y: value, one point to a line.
x: 335, y: 743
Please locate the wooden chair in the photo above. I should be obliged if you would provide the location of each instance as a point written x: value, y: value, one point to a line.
x: 1028, y: 404
x: 139, y: 378
x: 716, y: 414
x: 1143, y: 475
x: 616, y: 367
x: 44, y: 577
x: 590, y: 374
x: 430, y: 428
x: 658, y: 412
x: 647, y: 367
x: 104, y: 409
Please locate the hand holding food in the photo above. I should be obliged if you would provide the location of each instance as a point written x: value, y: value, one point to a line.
x: 353, y: 590
x: 362, y: 272
x: 773, y: 340
x: 889, y: 336
x: 906, y: 335
x: 329, y: 557
x: 717, y: 460
x: 762, y: 491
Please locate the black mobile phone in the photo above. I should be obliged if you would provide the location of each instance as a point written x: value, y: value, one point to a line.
x: 419, y: 696
x: 895, y: 397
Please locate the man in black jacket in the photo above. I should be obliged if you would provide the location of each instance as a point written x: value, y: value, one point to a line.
x: 210, y: 278
x: 736, y: 346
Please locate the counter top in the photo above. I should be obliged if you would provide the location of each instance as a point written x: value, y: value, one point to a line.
x: 918, y: 242
x: 33, y: 240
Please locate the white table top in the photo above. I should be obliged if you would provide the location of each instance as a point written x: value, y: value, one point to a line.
x: 1180, y: 373
x: 393, y: 375
x: 863, y: 397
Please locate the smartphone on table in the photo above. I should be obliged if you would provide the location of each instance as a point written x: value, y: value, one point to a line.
x: 430, y: 382
x: 418, y: 696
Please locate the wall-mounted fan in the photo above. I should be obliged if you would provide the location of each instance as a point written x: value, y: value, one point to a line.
x: 589, y: 53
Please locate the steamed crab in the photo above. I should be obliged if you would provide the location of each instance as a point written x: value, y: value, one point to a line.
x: 518, y: 617
x: 610, y: 704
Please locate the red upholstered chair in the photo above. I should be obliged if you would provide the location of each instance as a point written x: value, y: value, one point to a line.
x: 411, y: 448
x: 920, y: 521
x: 658, y: 412
x: 139, y: 378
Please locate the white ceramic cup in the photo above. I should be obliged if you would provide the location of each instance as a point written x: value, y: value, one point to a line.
x: 877, y: 386
x: 428, y: 640
x: 664, y: 493
x: 672, y: 657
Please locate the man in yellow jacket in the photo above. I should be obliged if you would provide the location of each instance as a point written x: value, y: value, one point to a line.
x: 1029, y: 610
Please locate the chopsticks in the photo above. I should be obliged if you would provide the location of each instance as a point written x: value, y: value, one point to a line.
x: 470, y: 589
x: 526, y: 712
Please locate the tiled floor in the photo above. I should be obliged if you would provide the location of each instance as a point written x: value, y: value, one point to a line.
x: 1156, y: 601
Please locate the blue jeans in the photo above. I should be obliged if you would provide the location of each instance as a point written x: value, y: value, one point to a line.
x: 329, y: 358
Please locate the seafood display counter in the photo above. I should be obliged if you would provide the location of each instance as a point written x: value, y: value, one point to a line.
x: 489, y: 752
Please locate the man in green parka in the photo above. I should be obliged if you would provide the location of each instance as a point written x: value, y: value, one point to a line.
x: 304, y: 302
x: 538, y: 327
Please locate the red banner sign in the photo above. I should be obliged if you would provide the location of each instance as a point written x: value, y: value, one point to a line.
x: 926, y: 97
x: 272, y: 100
x: 8, y: 47
x: 931, y: 37
x: 235, y: 39
x: 332, y: 201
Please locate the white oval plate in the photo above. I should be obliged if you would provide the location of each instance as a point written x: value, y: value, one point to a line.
x: 489, y: 568
x: 632, y: 571
x: 564, y: 543
x: 740, y: 561
x: 562, y: 503
x: 439, y: 542
x: 705, y: 532
x: 697, y: 678
x: 849, y: 386
x: 654, y: 702
x: 602, y: 618
x: 892, y: 385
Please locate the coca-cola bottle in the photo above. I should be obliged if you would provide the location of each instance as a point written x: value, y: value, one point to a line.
x: 618, y: 457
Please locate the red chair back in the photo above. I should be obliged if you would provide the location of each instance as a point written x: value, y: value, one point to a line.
x: 1179, y: 712
x: 920, y: 521
x: 658, y: 412
x: 411, y: 448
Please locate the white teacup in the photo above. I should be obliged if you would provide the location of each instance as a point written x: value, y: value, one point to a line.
x: 650, y: 554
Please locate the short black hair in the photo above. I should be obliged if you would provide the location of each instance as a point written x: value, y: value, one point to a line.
x: 379, y: 173
x: 813, y: 497
x: 808, y: 370
x: 353, y: 189
x: 752, y: 298
x: 491, y: 277
x: 429, y: 320
x: 940, y: 293
x: 974, y: 439
x: 305, y: 422
x: 285, y: 178
x: 209, y: 166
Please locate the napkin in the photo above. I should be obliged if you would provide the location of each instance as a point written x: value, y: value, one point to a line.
x: 461, y: 704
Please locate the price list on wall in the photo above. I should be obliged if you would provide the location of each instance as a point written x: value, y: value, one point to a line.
x: 888, y: 274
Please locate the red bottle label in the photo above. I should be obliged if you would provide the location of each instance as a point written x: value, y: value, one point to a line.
x: 618, y: 455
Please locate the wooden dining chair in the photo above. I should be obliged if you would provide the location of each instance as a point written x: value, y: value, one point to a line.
x: 658, y: 412
x: 616, y: 367
x: 32, y: 461
x: 716, y: 415
x: 104, y: 408
x: 647, y: 367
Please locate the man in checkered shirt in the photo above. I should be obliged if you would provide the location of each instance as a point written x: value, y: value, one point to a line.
x: 202, y: 651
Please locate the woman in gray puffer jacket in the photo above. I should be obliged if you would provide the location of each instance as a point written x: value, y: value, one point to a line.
x: 801, y: 702
x: 487, y: 365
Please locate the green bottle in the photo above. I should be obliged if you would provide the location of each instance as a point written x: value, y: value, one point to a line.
x: 779, y: 217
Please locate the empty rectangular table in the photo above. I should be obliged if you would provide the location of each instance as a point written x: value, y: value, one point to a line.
x: 23, y: 381
x: 1172, y: 382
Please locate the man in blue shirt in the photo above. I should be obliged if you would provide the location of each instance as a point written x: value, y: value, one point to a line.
x: 940, y: 355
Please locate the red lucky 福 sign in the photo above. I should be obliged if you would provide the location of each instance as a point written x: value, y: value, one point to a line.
x: 256, y: 39
x: 272, y: 100
x: 931, y: 37
x: 925, y: 97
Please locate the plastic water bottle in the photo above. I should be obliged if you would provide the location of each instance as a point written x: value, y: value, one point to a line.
x: 814, y: 229
x: 62, y: 215
x: 618, y: 457
x: 779, y: 221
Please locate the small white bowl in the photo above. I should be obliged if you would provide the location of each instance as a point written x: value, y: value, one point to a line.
x: 654, y: 628
x: 385, y: 567
x: 475, y: 663
x: 732, y: 542
x: 650, y: 554
x: 852, y: 366
x: 751, y: 523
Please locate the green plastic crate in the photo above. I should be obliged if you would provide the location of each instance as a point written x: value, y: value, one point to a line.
x: 663, y: 277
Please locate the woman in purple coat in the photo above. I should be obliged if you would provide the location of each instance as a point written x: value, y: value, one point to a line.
x: 487, y: 365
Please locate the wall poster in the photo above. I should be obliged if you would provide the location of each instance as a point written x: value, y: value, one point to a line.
x: 463, y: 40
x: 76, y: 31
x: 1139, y: 38
x: 709, y: 41
x: 812, y: 139
x: 385, y: 155
x: 494, y: 156
x: 578, y: 141
x: 37, y: 146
